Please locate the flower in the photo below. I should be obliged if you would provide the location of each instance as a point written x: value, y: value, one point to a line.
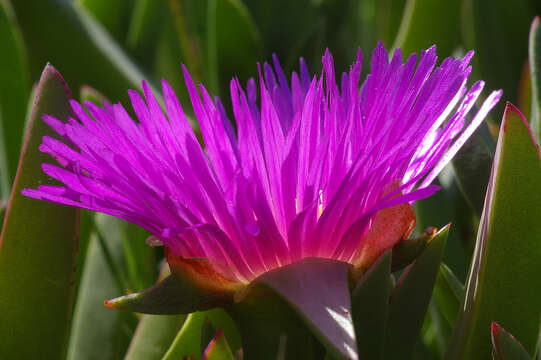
x: 313, y: 169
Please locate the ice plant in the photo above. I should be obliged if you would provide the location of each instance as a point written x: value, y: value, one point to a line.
x: 310, y: 167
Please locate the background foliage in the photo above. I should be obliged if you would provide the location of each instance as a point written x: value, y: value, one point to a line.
x: 104, y: 47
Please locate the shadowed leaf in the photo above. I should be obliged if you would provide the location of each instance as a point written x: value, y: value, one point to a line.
x: 369, y: 301
x: 505, y: 346
x: 317, y: 289
x: 410, y: 299
x: 448, y: 293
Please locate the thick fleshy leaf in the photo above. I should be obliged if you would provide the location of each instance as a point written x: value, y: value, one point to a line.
x: 426, y: 22
x: 271, y: 329
x: 153, y: 336
x: 98, y: 332
x: 505, y: 346
x: 448, y: 293
x: 14, y: 92
x: 369, y: 302
x: 472, y: 166
x: 38, y: 246
x: 504, y: 283
x: 75, y: 41
x: 154, y: 333
x: 218, y: 349
x: 535, y: 73
x: 318, y: 290
x: 407, y: 250
x: 410, y: 299
x: 192, y: 286
x: 188, y: 339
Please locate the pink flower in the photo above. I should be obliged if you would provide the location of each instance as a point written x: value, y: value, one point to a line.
x: 312, y: 169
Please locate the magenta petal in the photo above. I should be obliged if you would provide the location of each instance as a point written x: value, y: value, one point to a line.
x: 307, y: 166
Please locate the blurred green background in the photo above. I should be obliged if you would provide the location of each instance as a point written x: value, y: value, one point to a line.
x: 104, y: 47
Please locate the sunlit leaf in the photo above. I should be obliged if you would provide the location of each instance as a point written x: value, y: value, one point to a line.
x: 503, y: 284
x: 38, y: 246
x: 218, y: 349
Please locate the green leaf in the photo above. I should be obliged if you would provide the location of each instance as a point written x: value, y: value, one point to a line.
x: 369, y: 302
x: 448, y: 293
x: 425, y: 23
x: 218, y: 349
x: 271, y: 329
x: 98, y: 332
x: 535, y: 74
x: 14, y: 93
x: 78, y: 46
x: 154, y: 333
x: 505, y: 346
x: 504, y: 283
x: 410, y: 299
x: 407, y: 250
x: 182, y: 292
x: 38, y: 246
x: 188, y: 339
x: 153, y: 336
x: 472, y: 166
x: 317, y: 289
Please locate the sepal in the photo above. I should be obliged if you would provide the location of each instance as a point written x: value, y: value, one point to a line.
x: 193, y: 285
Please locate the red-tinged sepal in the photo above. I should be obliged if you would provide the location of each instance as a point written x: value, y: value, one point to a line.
x: 193, y: 285
x: 505, y: 346
x: 389, y: 227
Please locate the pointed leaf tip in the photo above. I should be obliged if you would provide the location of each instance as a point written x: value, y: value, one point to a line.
x: 38, y: 244
x: 49, y: 71
x: 192, y: 286
x: 505, y: 346
x: 513, y: 114
x: 507, y: 247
